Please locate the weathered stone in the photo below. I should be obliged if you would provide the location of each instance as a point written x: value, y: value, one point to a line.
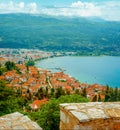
x: 113, y: 112
x: 94, y: 113
x: 76, y: 127
x: 18, y: 128
x: 21, y: 120
x: 64, y: 118
x: 63, y: 105
x: 80, y: 116
x: 92, y: 104
x: 85, y: 128
x: 71, y: 108
x: 109, y: 106
x: 1, y: 127
x: 8, y: 124
x: 90, y: 116
x: 17, y: 121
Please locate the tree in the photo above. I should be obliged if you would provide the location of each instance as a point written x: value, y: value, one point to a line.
x: 59, y: 92
x: 67, y: 92
x: 1, y: 71
x: 10, y: 101
x: 48, y: 117
x: 10, y: 65
x: 29, y: 95
x: 52, y: 92
x: 99, y: 98
x: 107, y: 89
x: 30, y: 63
x: 112, y: 95
x: 5, y: 92
x: 84, y: 93
x: 46, y: 94
x: 107, y: 94
x: 77, y: 91
x: 94, y: 98
x: 40, y: 93
x: 116, y: 94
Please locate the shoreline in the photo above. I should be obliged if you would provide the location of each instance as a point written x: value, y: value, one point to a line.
x: 54, y: 69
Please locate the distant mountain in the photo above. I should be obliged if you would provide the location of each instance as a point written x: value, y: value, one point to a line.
x: 82, y: 35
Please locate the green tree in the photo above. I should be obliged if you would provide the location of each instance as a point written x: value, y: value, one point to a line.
x: 113, y: 94
x: 5, y: 92
x: 10, y: 65
x: 40, y: 93
x: 107, y: 94
x: 99, y: 98
x: 48, y: 117
x: 59, y: 92
x: 46, y: 94
x: 29, y: 95
x: 1, y: 71
x: 116, y: 94
x: 94, y: 98
x: 77, y: 91
x: 84, y: 93
x: 52, y: 92
x: 30, y: 63
x: 10, y: 101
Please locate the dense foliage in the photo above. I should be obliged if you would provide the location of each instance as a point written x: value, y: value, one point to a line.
x: 84, y: 36
x: 48, y: 117
x: 10, y: 65
x: 112, y: 94
x: 2, y: 70
x: 10, y: 101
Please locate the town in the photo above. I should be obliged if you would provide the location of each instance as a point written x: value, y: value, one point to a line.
x: 38, y: 93
x: 23, y: 55
x: 30, y: 81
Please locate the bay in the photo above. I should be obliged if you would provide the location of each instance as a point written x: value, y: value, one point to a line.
x: 104, y: 70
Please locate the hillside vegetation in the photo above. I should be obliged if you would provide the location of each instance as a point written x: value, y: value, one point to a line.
x: 84, y: 36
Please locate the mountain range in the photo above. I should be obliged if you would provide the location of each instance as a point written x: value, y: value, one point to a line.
x: 86, y: 36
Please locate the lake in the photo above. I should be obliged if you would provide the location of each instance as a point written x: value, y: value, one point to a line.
x: 104, y: 70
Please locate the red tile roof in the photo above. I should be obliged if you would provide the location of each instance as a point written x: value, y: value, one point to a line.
x: 37, y: 103
x: 2, y: 59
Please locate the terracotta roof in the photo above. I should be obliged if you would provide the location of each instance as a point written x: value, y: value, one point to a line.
x: 2, y: 77
x: 37, y: 103
x: 2, y: 59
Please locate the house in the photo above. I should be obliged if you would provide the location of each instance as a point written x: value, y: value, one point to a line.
x: 37, y: 104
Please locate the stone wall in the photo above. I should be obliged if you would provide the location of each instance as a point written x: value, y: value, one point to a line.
x: 90, y: 116
x: 17, y: 121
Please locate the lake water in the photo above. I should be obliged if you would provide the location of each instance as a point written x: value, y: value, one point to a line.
x: 102, y: 70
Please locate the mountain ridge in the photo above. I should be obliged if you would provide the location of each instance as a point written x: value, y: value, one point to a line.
x: 82, y: 35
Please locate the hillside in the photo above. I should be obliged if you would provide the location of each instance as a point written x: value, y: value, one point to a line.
x: 85, y: 36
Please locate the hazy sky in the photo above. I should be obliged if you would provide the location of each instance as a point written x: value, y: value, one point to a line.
x: 106, y: 9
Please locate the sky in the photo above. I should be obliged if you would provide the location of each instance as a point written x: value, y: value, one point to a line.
x: 105, y: 9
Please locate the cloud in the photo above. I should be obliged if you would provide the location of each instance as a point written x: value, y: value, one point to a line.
x: 83, y: 9
x: 32, y: 8
x: 109, y: 10
x: 21, y: 7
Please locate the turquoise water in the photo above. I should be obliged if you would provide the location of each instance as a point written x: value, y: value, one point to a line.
x: 102, y: 70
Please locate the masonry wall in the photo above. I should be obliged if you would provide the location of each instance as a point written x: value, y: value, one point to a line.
x: 72, y: 119
x: 17, y: 121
